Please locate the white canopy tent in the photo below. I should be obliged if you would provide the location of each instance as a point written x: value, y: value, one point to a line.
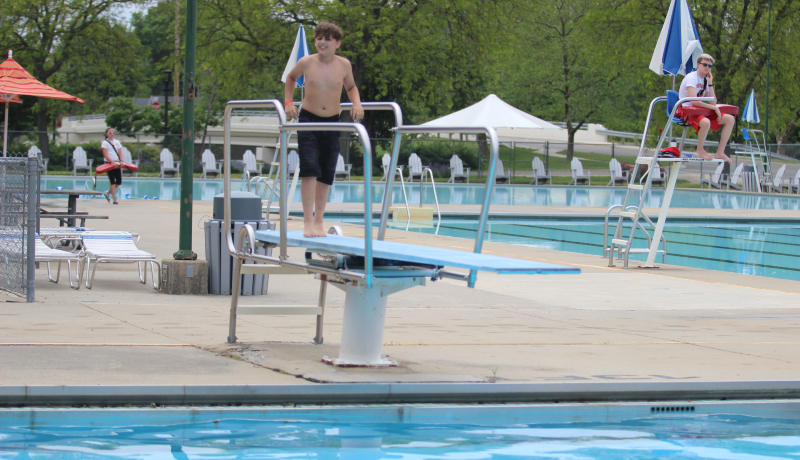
x: 492, y: 111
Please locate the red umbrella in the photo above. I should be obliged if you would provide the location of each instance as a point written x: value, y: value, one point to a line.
x: 16, y: 81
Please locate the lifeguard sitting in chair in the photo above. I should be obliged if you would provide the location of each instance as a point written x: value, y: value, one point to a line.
x: 703, y: 116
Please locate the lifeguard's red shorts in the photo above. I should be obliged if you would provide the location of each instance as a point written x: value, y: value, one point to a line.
x: 694, y: 121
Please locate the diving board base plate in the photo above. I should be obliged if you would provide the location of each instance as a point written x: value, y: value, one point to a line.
x: 342, y: 363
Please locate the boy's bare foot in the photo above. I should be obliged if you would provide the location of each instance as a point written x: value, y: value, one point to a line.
x: 722, y: 156
x: 703, y: 154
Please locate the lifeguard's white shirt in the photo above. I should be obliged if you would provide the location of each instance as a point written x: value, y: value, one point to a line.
x: 690, y: 80
x: 111, y: 153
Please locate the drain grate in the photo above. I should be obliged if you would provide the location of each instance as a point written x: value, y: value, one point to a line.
x: 655, y: 409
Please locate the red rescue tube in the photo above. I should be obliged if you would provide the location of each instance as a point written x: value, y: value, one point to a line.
x: 106, y: 167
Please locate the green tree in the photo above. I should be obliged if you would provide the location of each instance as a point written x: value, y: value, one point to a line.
x: 47, y: 34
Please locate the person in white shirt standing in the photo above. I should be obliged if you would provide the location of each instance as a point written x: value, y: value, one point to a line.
x: 700, y: 83
x: 111, y: 151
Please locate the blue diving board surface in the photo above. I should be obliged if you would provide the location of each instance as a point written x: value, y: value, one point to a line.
x: 412, y: 254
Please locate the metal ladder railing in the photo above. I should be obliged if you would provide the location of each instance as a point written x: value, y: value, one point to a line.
x: 635, y: 212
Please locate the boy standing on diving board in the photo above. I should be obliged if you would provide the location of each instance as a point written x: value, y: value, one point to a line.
x: 325, y: 75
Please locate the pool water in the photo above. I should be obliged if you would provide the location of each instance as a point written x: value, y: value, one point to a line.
x: 353, y: 434
x: 513, y: 195
x: 752, y: 249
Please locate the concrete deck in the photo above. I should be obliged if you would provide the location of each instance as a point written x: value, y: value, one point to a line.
x: 604, y: 325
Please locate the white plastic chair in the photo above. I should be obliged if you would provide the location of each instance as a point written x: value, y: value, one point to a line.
x: 501, y: 176
x: 617, y: 174
x: 294, y: 161
x: 168, y: 164
x: 414, y: 167
x: 457, y: 171
x: 35, y: 152
x: 46, y: 254
x: 117, y: 247
x: 777, y: 181
x: 715, y: 179
x: 251, y: 165
x: 540, y: 175
x: 795, y: 183
x: 79, y: 162
x: 578, y: 176
x: 210, y: 165
x: 386, y: 162
x: 127, y: 158
x: 734, y: 180
x: 342, y: 170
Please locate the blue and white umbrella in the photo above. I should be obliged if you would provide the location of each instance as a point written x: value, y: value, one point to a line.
x: 678, y: 45
x: 750, y: 109
x: 299, y: 50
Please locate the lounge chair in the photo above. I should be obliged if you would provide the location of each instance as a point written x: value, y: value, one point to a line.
x: 457, y: 171
x: 734, y: 179
x: 795, y: 183
x: 253, y: 167
x: 46, y: 254
x: 777, y: 182
x: 35, y: 152
x: 126, y: 157
x: 501, y: 176
x: 541, y: 175
x: 414, y: 167
x: 169, y: 165
x: 342, y: 170
x: 210, y: 165
x: 386, y: 162
x: 79, y: 162
x: 578, y: 176
x: 715, y: 179
x: 117, y: 247
x: 617, y: 174
x: 294, y: 162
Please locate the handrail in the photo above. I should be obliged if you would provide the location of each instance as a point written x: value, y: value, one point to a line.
x: 245, y: 181
x: 494, y: 144
x: 433, y: 184
x: 405, y: 198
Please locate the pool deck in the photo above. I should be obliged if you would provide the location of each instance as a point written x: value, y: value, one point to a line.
x: 672, y: 324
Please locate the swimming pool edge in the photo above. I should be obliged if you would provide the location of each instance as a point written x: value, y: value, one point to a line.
x: 393, y: 393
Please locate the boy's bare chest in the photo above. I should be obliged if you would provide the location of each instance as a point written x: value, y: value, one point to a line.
x: 325, y: 76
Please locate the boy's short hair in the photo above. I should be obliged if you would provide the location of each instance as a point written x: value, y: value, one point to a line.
x: 707, y: 57
x: 328, y: 30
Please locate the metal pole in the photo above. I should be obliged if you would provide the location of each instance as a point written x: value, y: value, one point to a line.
x: 547, y: 155
x: 66, y: 154
x: 612, y: 150
x: 5, y: 131
x: 766, y: 111
x: 187, y: 146
x: 33, y: 167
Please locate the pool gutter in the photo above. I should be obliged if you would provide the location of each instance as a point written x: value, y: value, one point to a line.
x: 388, y: 393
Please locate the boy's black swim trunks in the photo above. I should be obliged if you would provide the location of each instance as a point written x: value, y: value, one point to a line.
x: 318, y: 150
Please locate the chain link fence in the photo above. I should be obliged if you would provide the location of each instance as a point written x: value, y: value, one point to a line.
x: 18, y: 192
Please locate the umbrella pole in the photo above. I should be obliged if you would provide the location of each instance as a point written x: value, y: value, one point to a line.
x: 5, y: 131
x: 670, y: 121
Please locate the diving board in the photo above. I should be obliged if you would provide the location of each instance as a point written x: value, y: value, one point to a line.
x: 416, y: 255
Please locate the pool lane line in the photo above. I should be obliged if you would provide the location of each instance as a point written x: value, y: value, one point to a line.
x: 20, y: 344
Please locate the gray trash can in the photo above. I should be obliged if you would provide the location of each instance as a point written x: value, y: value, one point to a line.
x: 245, y: 209
x: 749, y: 180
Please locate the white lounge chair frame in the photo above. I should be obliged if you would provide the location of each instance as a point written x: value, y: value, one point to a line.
x: 342, y: 169
x: 168, y: 164
x: 714, y: 180
x: 541, y: 175
x: 502, y: 177
x: 117, y: 247
x: 386, y: 162
x: 578, y: 175
x: 456, y: 170
x: 617, y: 174
x: 210, y: 164
x: 46, y: 254
x: 80, y: 163
x: 414, y: 167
